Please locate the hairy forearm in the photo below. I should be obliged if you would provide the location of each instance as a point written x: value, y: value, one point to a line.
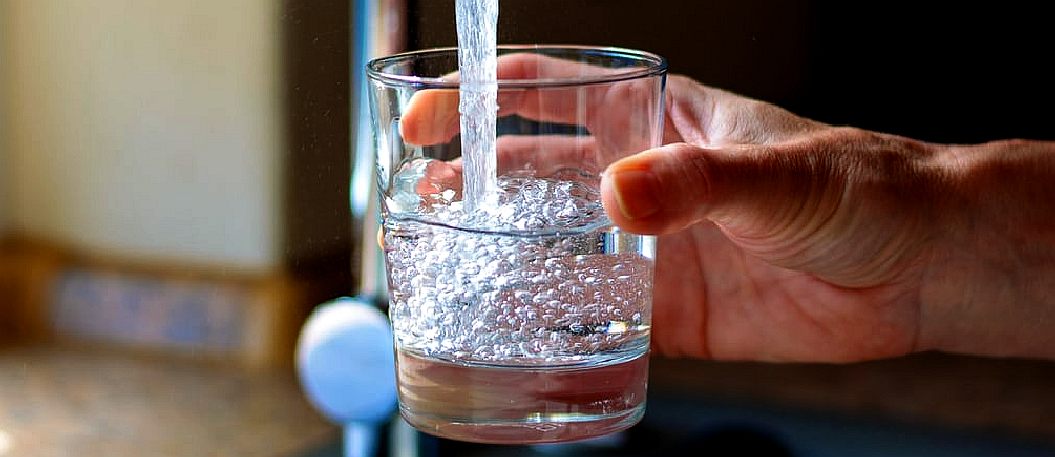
x: 990, y: 284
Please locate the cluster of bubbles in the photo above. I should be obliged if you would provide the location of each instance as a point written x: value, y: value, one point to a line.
x: 565, y: 200
x: 541, y: 284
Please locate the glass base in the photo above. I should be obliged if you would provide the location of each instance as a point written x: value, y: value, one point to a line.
x: 558, y: 428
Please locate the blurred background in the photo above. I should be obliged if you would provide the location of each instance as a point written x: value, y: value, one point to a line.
x: 174, y: 201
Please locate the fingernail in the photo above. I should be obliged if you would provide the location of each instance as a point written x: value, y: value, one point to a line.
x: 636, y: 193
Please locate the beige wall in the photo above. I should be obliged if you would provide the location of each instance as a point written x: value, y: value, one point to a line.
x: 145, y: 128
x: 5, y: 180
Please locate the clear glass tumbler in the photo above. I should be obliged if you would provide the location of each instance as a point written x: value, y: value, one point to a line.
x: 526, y: 321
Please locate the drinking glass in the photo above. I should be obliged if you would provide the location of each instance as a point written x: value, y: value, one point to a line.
x: 527, y: 319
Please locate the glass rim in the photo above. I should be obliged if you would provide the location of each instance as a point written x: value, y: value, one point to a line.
x: 656, y: 66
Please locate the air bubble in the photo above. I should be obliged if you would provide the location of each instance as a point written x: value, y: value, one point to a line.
x: 476, y: 296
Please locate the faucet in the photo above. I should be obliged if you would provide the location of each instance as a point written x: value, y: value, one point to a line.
x: 344, y: 355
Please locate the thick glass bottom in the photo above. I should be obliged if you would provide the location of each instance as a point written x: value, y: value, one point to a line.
x: 544, y: 429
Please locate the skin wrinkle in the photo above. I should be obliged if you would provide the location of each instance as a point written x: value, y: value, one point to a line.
x: 694, y: 269
x: 710, y: 337
x: 917, y: 301
x: 880, y: 342
x: 807, y: 314
x: 753, y: 297
x: 897, y: 183
x: 744, y: 292
x: 751, y: 291
x: 811, y: 229
x: 707, y: 336
x: 706, y: 137
x: 718, y: 284
x: 681, y: 114
x: 845, y: 215
x: 803, y: 311
x: 883, y: 340
x: 691, y: 168
x: 883, y: 333
x: 704, y: 316
x: 1000, y: 215
x: 612, y: 142
x: 802, y: 226
x: 811, y: 222
x: 913, y: 311
x: 670, y: 110
x: 727, y: 127
x: 865, y: 268
x: 796, y: 228
x: 699, y: 165
x: 742, y: 125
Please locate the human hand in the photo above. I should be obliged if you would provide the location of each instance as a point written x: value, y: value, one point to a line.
x: 782, y: 238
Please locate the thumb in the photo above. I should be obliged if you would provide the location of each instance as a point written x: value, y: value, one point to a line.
x: 751, y: 191
x: 851, y: 216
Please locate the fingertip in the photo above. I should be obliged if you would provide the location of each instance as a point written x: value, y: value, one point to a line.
x: 408, y: 131
x: 651, y: 192
x: 635, y: 191
x: 411, y: 123
x: 430, y: 117
x: 629, y: 200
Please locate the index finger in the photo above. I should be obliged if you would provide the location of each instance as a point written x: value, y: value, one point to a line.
x: 432, y: 117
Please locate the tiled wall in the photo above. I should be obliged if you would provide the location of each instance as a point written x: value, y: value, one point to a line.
x: 145, y: 311
x: 53, y: 294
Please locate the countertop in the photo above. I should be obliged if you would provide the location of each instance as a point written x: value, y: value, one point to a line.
x: 57, y: 401
x: 65, y: 401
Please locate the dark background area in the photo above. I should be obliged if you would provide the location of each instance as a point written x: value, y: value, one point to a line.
x: 317, y: 165
x: 956, y: 73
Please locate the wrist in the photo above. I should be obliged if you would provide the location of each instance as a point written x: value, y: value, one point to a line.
x: 989, y: 284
